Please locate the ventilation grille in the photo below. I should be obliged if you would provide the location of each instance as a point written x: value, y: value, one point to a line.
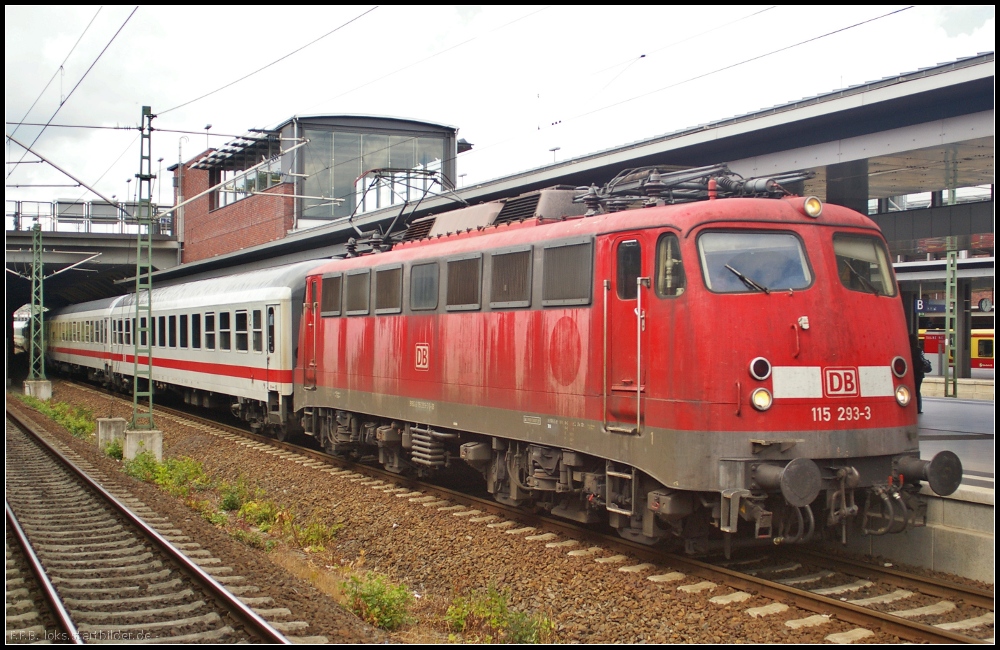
x: 523, y: 207
x: 419, y: 229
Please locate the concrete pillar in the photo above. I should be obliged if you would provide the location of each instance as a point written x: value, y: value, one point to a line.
x: 847, y: 185
x: 109, y: 430
x: 137, y: 442
x: 39, y: 388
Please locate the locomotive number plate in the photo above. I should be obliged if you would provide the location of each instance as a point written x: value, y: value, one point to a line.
x: 841, y: 413
x: 422, y: 356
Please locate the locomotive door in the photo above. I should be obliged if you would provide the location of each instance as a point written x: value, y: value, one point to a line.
x: 626, y: 296
x: 272, y: 347
x: 309, y: 334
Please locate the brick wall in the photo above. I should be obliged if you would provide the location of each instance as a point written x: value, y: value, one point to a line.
x: 252, y: 221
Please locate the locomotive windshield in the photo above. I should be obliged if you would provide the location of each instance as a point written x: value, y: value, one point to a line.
x: 863, y: 265
x: 746, y: 262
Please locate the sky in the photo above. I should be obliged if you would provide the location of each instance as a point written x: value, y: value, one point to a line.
x: 518, y: 82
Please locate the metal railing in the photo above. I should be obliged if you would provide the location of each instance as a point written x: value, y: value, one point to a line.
x: 82, y: 217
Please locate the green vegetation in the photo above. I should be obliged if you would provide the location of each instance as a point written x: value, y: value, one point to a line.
x: 378, y: 601
x: 78, y: 420
x: 487, y: 617
x: 178, y: 476
x: 234, y: 496
x: 114, y: 449
x: 262, y: 514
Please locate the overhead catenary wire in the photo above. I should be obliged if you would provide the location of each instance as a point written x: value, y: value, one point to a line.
x: 80, y: 81
x: 54, y: 74
x: 247, y: 76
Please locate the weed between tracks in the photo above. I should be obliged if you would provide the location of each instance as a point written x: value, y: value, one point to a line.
x: 78, y: 420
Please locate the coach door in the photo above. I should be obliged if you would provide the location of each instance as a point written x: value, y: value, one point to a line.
x: 272, y: 348
x: 627, y: 297
x: 309, y: 325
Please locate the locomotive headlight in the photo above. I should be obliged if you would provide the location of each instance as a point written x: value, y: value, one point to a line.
x: 813, y: 207
x: 761, y: 399
x: 899, y: 366
x: 760, y: 368
x: 903, y: 395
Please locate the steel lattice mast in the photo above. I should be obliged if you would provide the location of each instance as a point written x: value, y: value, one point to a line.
x: 37, y: 347
x: 142, y: 387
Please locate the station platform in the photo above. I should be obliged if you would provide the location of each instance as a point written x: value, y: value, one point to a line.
x: 959, y: 535
x: 976, y: 389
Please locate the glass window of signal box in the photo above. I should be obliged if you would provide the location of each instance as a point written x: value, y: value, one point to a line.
x: 747, y: 262
x: 670, y: 280
x: 863, y: 265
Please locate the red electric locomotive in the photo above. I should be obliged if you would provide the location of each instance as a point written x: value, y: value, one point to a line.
x: 725, y: 359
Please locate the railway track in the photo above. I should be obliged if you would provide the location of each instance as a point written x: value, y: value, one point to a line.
x: 831, y: 588
x: 116, y: 577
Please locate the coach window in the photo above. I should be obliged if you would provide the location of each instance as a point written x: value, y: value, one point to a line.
x: 358, y: 291
x: 162, y: 330
x: 424, y: 286
x: 330, y: 302
x: 670, y: 280
x: 225, y: 331
x: 270, y: 329
x: 863, y: 264
x: 464, y: 283
x: 629, y: 265
x: 195, y: 330
x: 128, y: 331
x: 510, y: 279
x: 172, y: 331
x: 389, y: 290
x: 210, y: 331
x: 258, y: 331
x: 142, y: 332
x: 241, y: 330
x: 114, y: 332
x: 152, y: 331
x: 567, y: 274
x: 184, y: 330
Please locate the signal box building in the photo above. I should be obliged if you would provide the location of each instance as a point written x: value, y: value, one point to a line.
x: 270, y: 194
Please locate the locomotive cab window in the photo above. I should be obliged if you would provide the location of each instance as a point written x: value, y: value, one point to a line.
x: 510, y: 280
x: 670, y: 280
x: 330, y: 303
x: 464, y: 283
x: 629, y: 258
x: 424, y: 286
x: 863, y: 265
x: 750, y: 262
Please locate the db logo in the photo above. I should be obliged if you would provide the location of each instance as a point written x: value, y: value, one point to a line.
x: 840, y: 382
x: 422, y: 356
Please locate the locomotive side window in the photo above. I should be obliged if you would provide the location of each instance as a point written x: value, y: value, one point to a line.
x: 225, y: 331
x: 258, y: 331
x: 463, y: 283
x: 629, y: 268
x: 510, y: 282
x: 162, y: 329
x: 424, y: 286
x: 242, y: 338
x: 747, y: 262
x: 358, y: 292
x: 184, y: 330
x: 389, y: 290
x: 567, y: 274
x: 172, y: 331
x: 862, y: 264
x: 196, y: 330
x: 330, y: 305
x: 670, y: 280
x: 210, y: 331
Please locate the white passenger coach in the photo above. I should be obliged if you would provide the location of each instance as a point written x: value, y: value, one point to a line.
x: 222, y: 339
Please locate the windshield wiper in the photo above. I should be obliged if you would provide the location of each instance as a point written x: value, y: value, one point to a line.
x: 863, y: 280
x: 747, y: 281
